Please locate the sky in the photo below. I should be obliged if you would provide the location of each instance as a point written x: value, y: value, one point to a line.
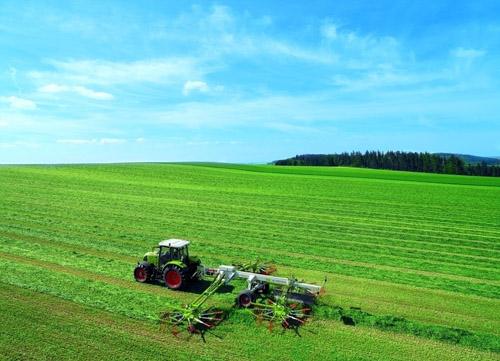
x: 246, y: 81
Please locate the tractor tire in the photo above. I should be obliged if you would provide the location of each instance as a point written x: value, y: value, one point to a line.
x: 175, y: 277
x: 245, y: 299
x: 143, y: 272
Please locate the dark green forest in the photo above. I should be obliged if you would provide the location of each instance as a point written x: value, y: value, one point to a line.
x: 406, y: 161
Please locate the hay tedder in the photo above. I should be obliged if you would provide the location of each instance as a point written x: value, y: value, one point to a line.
x: 271, y: 299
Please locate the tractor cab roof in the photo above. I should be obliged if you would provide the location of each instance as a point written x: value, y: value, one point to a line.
x: 173, y: 243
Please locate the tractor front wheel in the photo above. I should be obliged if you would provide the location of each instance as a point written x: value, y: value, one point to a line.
x: 142, y: 273
x: 174, y: 277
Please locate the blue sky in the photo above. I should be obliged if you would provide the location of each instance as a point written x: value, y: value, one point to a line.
x: 246, y: 81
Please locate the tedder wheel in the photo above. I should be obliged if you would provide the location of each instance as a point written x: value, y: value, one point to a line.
x: 142, y: 273
x: 245, y: 299
x: 174, y: 277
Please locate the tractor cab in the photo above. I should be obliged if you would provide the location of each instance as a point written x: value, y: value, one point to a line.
x: 173, y: 249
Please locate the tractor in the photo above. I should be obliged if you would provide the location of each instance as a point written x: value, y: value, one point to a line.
x: 170, y: 262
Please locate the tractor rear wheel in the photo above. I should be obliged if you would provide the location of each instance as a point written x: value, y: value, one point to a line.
x: 174, y: 277
x: 142, y: 273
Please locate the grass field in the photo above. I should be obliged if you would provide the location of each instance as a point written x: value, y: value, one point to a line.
x: 416, y: 254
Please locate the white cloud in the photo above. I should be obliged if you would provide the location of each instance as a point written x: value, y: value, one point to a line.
x: 319, y: 110
x: 221, y: 17
x: 195, y: 85
x: 92, y: 141
x: 213, y: 142
x: 140, y: 140
x: 378, y: 78
x: 255, y: 112
x: 291, y: 128
x: 89, y: 93
x: 3, y: 123
x: 220, y: 32
x: 80, y: 90
x: 77, y: 141
x: 329, y: 31
x: 21, y: 144
x: 19, y: 103
x: 281, y: 48
x: 160, y: 71
x: 112, y: 141
x: 217, y: 35
x: 53, y: 88
x: 468, y: 53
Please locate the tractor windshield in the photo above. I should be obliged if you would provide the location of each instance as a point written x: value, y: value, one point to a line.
x: 178, y: 253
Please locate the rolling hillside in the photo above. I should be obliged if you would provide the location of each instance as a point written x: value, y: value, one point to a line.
x: 416, y: 255
x: 473, y: 159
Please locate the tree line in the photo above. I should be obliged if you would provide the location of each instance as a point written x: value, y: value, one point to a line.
x: 407, y: 161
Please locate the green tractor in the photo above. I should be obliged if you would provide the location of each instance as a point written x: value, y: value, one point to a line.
x: 170, y: 262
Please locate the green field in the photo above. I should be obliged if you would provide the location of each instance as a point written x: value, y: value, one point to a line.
x: 416, y: 254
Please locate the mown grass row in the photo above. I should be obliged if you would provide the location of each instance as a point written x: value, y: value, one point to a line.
x: 45, y: 252
x: 127, y: 250
x: 387, y: 200
x: 56, y: 230
x: 118, y: 260
x: 426, y: 239
x: 118, y: 210
x: 172, y: 191
x: 152, y: 186
x: 141, y: 305
x: 464, y: 267
x: 303, y: 260
x: 352, y: 252
x: 42, y: 327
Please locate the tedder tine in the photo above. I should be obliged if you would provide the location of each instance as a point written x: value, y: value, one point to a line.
x: 213, y: 333
x: 175, y: 330
x: 260, y: 318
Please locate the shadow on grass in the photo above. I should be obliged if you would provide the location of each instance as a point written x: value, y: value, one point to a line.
x: 354, y: 316
x: 197, y: 287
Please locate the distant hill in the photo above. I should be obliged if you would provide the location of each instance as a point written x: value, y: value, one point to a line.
x: 472, y: 159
